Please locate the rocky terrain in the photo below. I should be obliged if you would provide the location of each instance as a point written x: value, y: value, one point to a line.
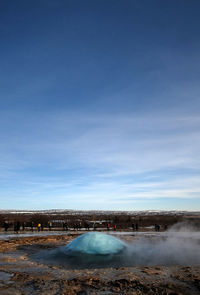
x: 19, y: 274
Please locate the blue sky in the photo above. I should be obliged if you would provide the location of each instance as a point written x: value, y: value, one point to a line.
x: 100, y: 104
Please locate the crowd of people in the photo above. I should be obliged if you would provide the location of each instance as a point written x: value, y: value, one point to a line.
x: 18, y: 226
x: 39, y: 226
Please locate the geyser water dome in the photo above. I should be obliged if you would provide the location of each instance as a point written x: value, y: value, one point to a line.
x: 96, y: 243
x: 90, y: 250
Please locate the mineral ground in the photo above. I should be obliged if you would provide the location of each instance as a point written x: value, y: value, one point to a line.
x: 21, y: 275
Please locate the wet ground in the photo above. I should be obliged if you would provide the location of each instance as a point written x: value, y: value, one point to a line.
x: 20, y: 274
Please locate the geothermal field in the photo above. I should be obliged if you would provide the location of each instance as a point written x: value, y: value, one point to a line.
x: 101, y: 261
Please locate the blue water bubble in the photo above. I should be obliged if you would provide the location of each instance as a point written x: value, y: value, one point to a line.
x: 96, y: 243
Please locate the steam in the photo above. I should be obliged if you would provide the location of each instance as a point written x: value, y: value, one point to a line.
x: 179, y: 246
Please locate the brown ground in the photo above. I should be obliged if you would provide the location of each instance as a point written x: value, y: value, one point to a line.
x: 19, y: 275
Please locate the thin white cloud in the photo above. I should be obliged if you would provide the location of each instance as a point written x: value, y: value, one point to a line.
x: 111, y: 157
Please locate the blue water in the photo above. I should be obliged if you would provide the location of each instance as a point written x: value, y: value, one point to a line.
x: 95, y: 243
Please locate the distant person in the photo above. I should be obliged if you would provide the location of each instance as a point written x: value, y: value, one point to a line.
x: 108, y: 226
x: 50, y: 225
x: 39, y: 226
x: 23, y: 225
x: 165, y: 227
x: 87, y: 226
x: 136, y: 227
x: 157, y: 227
x: 6, y: 225
x: 66, y: 226
x: 133, y: 226
x: 115, y: 227
x: 32, y: 225
x: 18, y: 226
x: 15, y: 228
